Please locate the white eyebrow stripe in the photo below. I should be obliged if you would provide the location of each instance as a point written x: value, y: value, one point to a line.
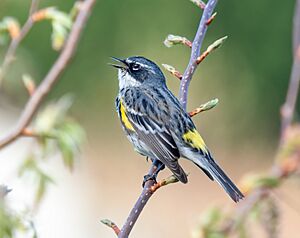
x: 142, y: 65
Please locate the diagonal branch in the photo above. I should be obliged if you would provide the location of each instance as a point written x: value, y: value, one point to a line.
x: 288, y: 108
x: 138, y: 207
x: 291, y: 164
x: 15, y: 42
x: 148, y: 190
x: 196, y: 47
x: 53, y: 75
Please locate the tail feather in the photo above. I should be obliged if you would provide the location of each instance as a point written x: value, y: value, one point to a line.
x: 218, y: 174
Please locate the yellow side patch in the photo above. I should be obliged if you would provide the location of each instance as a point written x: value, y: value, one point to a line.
x: 195, y: 140
x: 124, y: 117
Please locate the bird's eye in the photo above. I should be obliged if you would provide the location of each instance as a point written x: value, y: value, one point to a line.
x: 135, y: 67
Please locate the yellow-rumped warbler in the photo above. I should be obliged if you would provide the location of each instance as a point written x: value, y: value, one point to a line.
x: 158, y: 126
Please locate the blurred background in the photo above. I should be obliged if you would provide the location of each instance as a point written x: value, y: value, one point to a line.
x: 249, y: 75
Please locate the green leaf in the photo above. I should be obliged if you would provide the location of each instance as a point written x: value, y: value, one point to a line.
x: 60, y: 17
x: 53, y: 115
x: 59, y: 35
x: 70, y: 136
x: 44, y: 181
x: 268, y: 181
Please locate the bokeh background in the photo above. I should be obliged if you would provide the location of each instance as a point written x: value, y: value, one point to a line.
x: 249, y: 75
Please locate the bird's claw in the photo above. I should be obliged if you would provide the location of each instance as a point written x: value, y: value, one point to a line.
x: 149, y: 177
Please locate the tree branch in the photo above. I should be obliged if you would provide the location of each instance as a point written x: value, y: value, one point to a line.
x: 288, y: 108
x: 150, y: 186
x: 11, y: 51
x: 149, y: 189
x: 196, y: 47
x: 53, y: 75
x: 138, y: 207
x: 289, y: 137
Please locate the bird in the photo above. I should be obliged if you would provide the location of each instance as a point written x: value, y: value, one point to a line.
x: 158, y: 126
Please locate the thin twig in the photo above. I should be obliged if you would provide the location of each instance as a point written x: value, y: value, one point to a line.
x: 288, y: 108
x: 53, y: 75
x: 29, y: 133
x: 149, y: 187
x: 196, y: 47
x: 112, y: 225
x: 11, y: 51
x: 292, y: 164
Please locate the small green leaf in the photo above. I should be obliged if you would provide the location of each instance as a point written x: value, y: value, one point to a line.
x: 60, y: 17
x: 70, y: 136
x: 52, y: 115
x: 59, y: 35
x: 44, y: 181
x: 267, y: 181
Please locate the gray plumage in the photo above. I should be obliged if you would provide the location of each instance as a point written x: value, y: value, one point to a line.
x: 156, y: 124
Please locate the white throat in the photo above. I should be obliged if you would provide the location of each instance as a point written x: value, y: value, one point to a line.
x: 126, y: 80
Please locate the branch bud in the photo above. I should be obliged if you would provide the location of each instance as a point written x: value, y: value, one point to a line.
x: 217, y: 44
x: 210, y: 48
x: 11, y: 25
x: 28, y: 83
x: 210, y: 20
x: 112, y: 225
x: 172, y: 40
x: 204, y: 107
x: 172, y: 70
x: 199, y: 3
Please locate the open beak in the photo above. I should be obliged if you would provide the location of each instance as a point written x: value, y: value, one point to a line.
x: 123, y: 66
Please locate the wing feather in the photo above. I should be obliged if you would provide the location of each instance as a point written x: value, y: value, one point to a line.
x: 157, y: 138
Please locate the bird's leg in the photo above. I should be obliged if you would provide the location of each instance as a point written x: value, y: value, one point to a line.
x: 159, y: 165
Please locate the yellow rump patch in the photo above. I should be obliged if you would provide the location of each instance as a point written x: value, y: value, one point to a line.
x: 124, y: 117
x: 195, y: 140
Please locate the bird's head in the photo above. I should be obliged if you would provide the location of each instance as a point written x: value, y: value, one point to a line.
x: 136, y: 71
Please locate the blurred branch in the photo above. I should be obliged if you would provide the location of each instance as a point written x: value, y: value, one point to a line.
x: 287, y: 161
x: 4, y: 190
x: 296, y: 30
x: 288, y: 108
x: 29, y: 133
x: 11, y: 51
x: 53, y: 75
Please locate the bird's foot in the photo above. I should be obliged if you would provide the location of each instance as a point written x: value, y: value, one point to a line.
x: 160, y: 166
x: 149, y: 177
